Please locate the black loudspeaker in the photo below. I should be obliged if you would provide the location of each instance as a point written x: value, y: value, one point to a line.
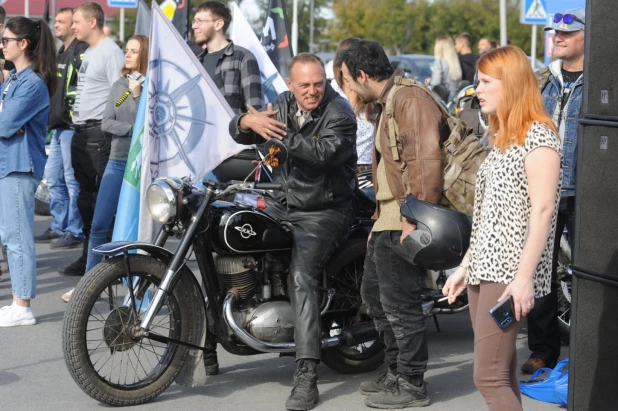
x: 600, y: 99
x: 593, y: 362
x: 596, y: 204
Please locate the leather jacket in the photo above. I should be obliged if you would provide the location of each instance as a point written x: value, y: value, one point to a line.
x: 321, y: 167
x: 421, y: 129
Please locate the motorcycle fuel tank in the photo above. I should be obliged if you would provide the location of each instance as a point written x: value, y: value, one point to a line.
x: 250, y: 231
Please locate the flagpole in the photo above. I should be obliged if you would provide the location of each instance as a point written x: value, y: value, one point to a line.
x: 503, y: 36
x: 311, y: 22
x: 27, y: 8
x: 294, y: 28
x: 121, y: 34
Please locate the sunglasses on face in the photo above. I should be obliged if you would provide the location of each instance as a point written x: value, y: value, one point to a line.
x: 567, y: 18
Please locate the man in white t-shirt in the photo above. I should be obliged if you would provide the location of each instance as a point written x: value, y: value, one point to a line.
x: 90, y: 147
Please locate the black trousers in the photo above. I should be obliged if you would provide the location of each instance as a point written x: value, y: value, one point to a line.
x: 89, y: 154
x: 543, y: 327
x: 391, y: 290
x: 317, y: 234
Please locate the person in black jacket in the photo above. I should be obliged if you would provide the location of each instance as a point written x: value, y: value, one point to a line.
x: 66, y: 225
x: 318, y: 129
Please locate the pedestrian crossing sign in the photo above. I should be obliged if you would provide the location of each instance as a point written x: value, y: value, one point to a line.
x: 533, y: 11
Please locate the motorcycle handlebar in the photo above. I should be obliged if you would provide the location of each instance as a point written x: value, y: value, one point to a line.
x: 267, y: 186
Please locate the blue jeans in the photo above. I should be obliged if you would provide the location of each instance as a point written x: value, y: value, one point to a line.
x: 105, y: 209
x: 16, y: 221
x: 63, y: 188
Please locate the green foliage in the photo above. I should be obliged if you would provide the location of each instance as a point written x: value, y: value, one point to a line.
x: 411, y: 26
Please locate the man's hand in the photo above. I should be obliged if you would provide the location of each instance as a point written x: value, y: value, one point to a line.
x: 406, y: 228
x: 263, y: 123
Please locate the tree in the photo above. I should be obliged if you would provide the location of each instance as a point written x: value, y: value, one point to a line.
x: 405, y: 26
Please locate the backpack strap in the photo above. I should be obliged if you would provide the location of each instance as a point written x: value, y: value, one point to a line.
x: 542, y: 77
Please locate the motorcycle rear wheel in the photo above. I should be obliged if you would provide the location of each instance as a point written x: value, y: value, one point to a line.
x: 347, y: 266
x: 104, y: 358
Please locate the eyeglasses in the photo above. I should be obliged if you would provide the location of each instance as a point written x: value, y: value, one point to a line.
x: 199, y: 22
x: 567, y: 18
x: 5, y: 40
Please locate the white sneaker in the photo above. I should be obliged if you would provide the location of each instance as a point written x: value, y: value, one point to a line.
x: 11, y: 317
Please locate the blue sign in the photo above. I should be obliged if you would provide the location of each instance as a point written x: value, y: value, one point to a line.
x: 533, y: 11
x: 122, y: 3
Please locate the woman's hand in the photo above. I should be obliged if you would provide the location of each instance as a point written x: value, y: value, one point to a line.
x: 522, y: 290
x: 455, y: 284
x: 135, y: 87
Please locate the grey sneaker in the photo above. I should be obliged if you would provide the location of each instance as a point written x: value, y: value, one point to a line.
x: 67, y: 240
x: 48, y: 235
x: 385, y: 380
x: 403, y: 394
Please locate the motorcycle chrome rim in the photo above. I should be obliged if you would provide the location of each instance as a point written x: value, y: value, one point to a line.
x: 114, y: 352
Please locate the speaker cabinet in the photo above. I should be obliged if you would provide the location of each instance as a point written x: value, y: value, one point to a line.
x: 600, y: 98
x: 596, y: 200
x: 593, y: 362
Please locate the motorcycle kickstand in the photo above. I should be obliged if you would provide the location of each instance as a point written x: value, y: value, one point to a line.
x: 435, y: 321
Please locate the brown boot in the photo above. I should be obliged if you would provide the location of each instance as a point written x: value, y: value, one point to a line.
x: 532, y: 365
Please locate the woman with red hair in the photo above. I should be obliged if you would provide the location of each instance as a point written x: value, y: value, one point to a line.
x: 514, y: 220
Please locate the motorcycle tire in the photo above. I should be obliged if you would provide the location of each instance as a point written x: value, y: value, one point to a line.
x: 347, y: 265
x: 88, y: 308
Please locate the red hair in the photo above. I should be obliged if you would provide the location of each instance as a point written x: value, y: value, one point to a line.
x: 521, y: 102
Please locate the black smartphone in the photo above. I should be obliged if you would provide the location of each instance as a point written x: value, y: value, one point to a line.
x: 504, y: 312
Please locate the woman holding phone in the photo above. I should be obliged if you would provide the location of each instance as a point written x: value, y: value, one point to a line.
x: 118, y: 120
x: 24, y: 111
x: 514, y: 220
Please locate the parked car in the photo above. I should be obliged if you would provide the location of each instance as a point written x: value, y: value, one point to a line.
x: 415, y: 66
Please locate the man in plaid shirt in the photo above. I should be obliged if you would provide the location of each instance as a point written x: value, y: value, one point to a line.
x: 233, y: 69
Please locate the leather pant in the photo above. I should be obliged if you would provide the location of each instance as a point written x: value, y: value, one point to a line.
x: 317, y: 234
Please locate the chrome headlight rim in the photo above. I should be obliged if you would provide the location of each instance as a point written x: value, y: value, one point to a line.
x: 171, y: 197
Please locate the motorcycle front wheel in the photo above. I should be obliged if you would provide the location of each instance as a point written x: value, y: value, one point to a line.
x: 103, y: 349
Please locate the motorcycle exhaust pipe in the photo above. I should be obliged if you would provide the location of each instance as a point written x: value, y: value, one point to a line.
x: 353, y: 335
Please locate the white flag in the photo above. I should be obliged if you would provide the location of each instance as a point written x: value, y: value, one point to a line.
x: 243, y: 35
x: 186, y: 132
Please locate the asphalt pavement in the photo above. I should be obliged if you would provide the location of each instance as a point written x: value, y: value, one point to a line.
x: 33, y: 375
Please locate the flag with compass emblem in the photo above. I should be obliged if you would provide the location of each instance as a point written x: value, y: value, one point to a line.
x: 243, y: 35
x: 275, y: 38
x: 187, y: 118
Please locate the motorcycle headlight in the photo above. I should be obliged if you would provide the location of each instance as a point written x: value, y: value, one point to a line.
x: 162, y: 200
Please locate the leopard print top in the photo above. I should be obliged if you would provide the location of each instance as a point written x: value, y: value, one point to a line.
x: 502, y: 212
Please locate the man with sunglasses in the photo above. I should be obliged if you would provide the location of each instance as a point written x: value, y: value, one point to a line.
x: 233, y: 69
x: 562, y: 88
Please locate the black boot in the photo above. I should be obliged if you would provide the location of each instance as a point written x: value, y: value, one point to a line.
x: 305, y: 393
x: 77, y: 268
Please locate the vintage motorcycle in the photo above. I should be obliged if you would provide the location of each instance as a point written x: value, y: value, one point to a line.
x: 138, y: 321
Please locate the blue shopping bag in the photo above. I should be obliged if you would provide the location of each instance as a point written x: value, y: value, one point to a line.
x: 552, y: 389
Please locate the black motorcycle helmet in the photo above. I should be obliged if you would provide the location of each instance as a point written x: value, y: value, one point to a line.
x: 442, y: 235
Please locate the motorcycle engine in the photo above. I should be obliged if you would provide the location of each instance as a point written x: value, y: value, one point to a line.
x: 238, y: 273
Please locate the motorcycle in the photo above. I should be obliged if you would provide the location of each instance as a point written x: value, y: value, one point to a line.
x: 137, y: 322
x: 137, y: 319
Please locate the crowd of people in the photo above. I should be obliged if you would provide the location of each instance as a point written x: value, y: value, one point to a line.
x: 87, y: 95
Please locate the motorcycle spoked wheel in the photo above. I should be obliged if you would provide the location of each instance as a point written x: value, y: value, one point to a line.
x: 564, y: 288
x: 347, y: 265
x: 102, y: 356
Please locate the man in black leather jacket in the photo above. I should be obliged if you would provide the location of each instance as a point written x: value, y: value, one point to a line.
x: 318, y: 129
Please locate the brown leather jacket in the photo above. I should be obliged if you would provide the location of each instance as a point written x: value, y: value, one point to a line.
x: 421, y: 131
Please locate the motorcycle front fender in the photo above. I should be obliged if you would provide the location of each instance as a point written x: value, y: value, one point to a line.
x: 119, y: 247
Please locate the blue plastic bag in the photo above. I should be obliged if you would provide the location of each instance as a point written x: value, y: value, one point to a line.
x: 552, y: 389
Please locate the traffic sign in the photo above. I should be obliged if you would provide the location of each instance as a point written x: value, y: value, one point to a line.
x: 533, y: 12
x: 122, y: 3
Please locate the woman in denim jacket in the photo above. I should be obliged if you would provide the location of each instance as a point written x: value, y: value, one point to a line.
x: 24, y: 111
